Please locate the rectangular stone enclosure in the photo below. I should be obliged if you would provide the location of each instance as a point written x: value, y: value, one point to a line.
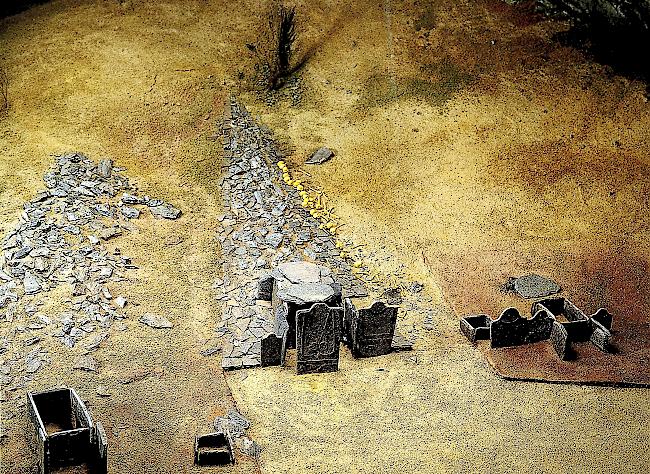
x: 64, y: 433
x: 318, y: 339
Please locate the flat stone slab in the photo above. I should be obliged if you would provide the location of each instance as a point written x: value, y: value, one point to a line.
x: 535, y: 286
x: 321, y: 156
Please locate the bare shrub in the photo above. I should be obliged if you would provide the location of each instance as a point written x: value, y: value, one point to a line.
x: 275, y: 46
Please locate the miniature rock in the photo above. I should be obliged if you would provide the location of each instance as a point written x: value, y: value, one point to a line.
x: 86, y: 362
x: 155, y: 321
x: 321, y: 156
x: 165, y: 211
x: 535, y: 286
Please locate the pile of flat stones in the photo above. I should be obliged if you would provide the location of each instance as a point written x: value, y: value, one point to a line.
x: 59, y: 242
x: 261, y: 227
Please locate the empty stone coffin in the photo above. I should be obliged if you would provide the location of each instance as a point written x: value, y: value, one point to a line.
x: 476, y: 328
x: 577, y: 326
x: 213, y: 449
x: 64, y: 433
x: 369, y: 331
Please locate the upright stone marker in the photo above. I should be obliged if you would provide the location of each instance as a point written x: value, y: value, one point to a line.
x: 318, y: 339
x: 372, y: 329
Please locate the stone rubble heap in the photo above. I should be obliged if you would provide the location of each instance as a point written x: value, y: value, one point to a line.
x: 59, y: 242
x: 261, y: 227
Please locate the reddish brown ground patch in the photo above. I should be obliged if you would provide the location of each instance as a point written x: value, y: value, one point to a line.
x: 612, y: 275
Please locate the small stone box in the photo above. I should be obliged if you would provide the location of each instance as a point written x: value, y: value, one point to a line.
x: 476, y: 328
x: 213, y: 449
x: 64, y: 432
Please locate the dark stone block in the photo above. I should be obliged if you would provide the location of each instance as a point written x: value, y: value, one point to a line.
x: 213, y: 449
x: 372, y: 329
x: 600, y: 336
x: 539, y: 327
x: 476, y: 327
x: 272, y: 350
x: 265, y: 288
x: 64, y: 432
x: 560, y: 341
x: 510, y: 329
x: 318, y: 339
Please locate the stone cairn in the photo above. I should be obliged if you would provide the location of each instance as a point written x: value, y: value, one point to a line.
x: 261, y: 227
x: 58, y: 241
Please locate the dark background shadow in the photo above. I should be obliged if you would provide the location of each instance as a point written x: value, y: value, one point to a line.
x: 12, y: 7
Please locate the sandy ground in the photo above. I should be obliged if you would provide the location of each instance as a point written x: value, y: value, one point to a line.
x: 468, y: 151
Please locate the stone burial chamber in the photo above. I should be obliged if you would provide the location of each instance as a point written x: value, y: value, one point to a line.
x: 64, y: 432
x: 557, y: 320
x: 311, y: 316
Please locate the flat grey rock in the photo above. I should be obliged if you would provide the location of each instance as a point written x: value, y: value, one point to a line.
x: 155, y: 321
x: 165, y: 211
x: 130, y: 212
x: 110, y: 233
x: 535, y: 286
x: 321, y: 156
x: 31, y: 284
x: 306, y: 292
x: 85, y: 362
x: 105, y: 168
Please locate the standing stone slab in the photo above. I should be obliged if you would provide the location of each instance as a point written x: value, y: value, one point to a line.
x: 560, y: 341
x: 372, y: 330
x: 318, y: 339
x: 510, y: 329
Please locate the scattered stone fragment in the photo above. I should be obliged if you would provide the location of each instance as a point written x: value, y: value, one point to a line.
x: 211, y: 351
x: 105, y: 168
x: 155, y: 321
x: 321, y: 156
x: 165, y: 211
x: 130, y: 212
x: 86, y: 362
x: 109, y: 233
x: 102, y: 391
x: 120, y: 301
x: 31, y: 284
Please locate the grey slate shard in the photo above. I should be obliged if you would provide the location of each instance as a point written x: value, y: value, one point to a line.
x: 535, y: 286
x: 320, y: 156
x: 155, y: 321
x: 105, y: 168
x: 130, y: 212
x: 86, y: 362
x: 31, y: 284
x: 401, y: 343
x: 165, y: 211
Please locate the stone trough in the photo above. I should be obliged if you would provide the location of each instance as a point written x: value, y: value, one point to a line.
x: 557, y: 320
x: 64, y: 432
